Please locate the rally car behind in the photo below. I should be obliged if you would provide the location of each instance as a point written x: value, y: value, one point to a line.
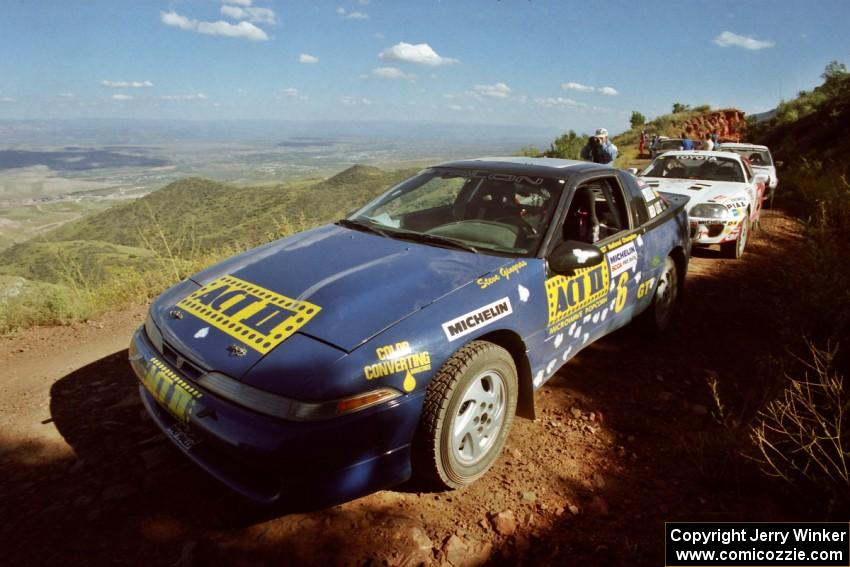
x: 760, y: 160
x: 725, y: 195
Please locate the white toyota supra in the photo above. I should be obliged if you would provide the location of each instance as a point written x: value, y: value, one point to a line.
x: 725, y: 195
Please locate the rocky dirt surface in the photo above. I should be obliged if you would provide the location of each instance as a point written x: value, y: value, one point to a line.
x: 626, y: 438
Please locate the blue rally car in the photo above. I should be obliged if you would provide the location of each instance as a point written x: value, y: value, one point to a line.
x: 405, y: 338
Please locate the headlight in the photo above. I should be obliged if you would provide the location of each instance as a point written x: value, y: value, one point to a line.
x: 285, y: 408
x: 153, y: 333
x: 709, y: 211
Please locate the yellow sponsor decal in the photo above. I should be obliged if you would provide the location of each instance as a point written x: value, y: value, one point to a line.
x: 619, y: 242
x: 258, y: 317
x: 175, y: 394
x: 505, y: 272
x: 645, y: 288
x: 398, y: 358
x: 569, y: 297
x: 622, y: 292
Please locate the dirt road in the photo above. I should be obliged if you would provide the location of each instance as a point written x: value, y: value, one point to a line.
x: 626, y: 439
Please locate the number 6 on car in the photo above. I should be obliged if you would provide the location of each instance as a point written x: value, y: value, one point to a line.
x: 405, y: 338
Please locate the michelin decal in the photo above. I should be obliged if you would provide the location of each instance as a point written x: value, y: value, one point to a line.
x: 474, y: 320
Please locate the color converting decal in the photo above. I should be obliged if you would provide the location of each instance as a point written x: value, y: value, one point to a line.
x: 398, y: 358
x: 260, y: 318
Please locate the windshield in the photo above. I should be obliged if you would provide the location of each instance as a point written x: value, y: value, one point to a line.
x: 497, y: 212
x: 667, y: 145
x: 695, y: 166
x: 758, y: 158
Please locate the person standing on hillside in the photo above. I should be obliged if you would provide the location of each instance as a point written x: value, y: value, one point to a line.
x: 599, y: 148
x: 709, y: 143
x: 687, y: 143
x: 643, y: 138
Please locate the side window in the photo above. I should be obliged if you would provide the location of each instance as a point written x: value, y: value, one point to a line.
x: 597, y: 211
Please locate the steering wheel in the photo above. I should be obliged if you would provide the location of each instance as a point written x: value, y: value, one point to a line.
x: 525, y: 227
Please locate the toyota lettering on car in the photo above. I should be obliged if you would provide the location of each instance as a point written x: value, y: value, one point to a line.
x: 405, y: 338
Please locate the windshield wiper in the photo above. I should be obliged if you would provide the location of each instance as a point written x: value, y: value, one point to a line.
x: 434, y: 239
x: 362, y: 226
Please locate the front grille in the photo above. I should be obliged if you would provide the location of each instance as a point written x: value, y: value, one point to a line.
x: 187, y: 369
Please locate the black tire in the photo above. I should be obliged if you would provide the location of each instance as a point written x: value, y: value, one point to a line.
x: 659, y: 316
x: 444, y: 452
x: 734, y: 250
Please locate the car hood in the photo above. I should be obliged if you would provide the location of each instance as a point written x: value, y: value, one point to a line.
x: 700, y: 191
x: 336, y: 285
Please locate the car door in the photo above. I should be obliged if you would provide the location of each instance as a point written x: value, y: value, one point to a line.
x: 590, y: 302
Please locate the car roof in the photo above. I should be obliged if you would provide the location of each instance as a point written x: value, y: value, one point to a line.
x: 742, y: 146
x: 526, y: 165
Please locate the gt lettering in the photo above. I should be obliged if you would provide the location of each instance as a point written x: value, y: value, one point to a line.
x: 645, y: 288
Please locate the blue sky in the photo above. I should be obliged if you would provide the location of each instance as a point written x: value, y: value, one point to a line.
x: 558, y: 63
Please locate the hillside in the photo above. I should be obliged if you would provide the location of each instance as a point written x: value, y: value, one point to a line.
x: 133, y: 251
x: 729, y: 123
x: 814, y: 125
x: 198, y: 214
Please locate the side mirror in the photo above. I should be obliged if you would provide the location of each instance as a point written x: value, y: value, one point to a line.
x: 633, y: 170
x: 572, y: 255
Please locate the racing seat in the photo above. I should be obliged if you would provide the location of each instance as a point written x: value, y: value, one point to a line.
x: 496, y: 200
x: 581, y: 222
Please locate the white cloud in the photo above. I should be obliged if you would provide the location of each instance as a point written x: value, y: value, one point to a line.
x: 290, y: 92
x: 729, y: 39
x: 193, y: 96
x: 341, y: 11
x: 577, y: 87
x: 121, y: 97
x: 252, y: 14
x: 557, y: 102
x: 66, y: 95
x: 356, y: 16
x: 421, y: 53
x: 307, y: 58
x: 127, y: 84
x: 350, y: 100
x: 392, y: 73
x: 499, y: 90
x: 363, y: 2
x: 571, y: 86
x: 239, y: 2
x: 242, y: 30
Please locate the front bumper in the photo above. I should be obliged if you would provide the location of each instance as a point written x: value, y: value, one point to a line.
x: 705, y: 232
x: 267, y: 459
